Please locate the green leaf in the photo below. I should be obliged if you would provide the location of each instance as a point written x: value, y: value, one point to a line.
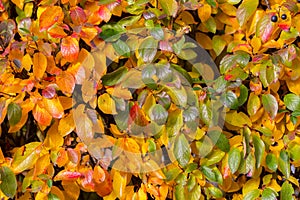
x: 114, y: 77
x: 287, y: 191
x: 252, y: 195
x: 8, y: 181
x: 179, y: 192
x: 259, y: 150
x: 14, y: 113
x: 129, y: 21
x: 269, y: 194
x: 183, y: 72
x: 211, y: 25
x: 219, y: 139
x: 111, y: 33
x: 195, y: 194
x: 178, y: 95
x: 230, y: 100
x: 205, y: 113
x: 174, y: 123
x: 253, y: 104
x: 212, y: 3
x: 187, y: 54
x: 158, y: 114
x: 170, y: 7
x: 148, y: 48
x: 212, y: 174
x: 294, y: 150
x: 172, y: 173
x: 271, y: 162
x: 284, y: 163
x: 204, y: 146
x: 243, y: 95
x: 157, y: 32
x: 215, y: 192
x: 213, y: 158
x: 121, y: 48
x: 52, y: 196
x: 234, y: 159
x: 182, y: 150
x: 270, y: 104
x: 218, y: 44
x: 191, y: 183
x: 246, y: 10
x: 233, y: 2
x: 292, y: 102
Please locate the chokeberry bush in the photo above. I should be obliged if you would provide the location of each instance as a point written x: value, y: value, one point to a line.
x: 149, y: 99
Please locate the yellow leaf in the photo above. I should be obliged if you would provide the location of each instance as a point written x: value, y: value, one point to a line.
x: 238, y: 119
x: 54, y: 107
x: 250, y: 185
x: 42, y: 164
x: 294, y: 86
x: 71, y: 190
x: 204, y: 12
x: 2, y: 159
x: 50, y: 16
x: 119, y: 183
x: 27, y: 62
x: 53, y: 139
x: 39, y: 65
x: 19, y: 3
x: 66, y: 125
x: 26, y: 156
x: 107, y: 104
x: 55, y: 190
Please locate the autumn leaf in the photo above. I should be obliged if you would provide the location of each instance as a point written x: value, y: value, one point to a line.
x: 50, y: 16
x: 39, y: 65
x: 69, y: 48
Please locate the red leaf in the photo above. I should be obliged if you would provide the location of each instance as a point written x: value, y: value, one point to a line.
x: 67, y: 176
x: 69, y: 48
x: 49, y: 92
x: 78, y: 15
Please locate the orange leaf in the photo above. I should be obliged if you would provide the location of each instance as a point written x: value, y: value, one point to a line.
x: 69, y: 48
x: 41, y: 115
x: 62, y: 157
x: 66, y: 82
x: 67, y: 176
x: 57, y: 32
x: 39, y: 65
x: 104, y: 188
x: 104, y: 13
x: 99, y: 174
x: 71, y: 190
x: 54, y: 107
x: 50, y: 16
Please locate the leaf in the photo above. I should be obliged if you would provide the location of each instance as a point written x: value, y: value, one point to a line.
x: 234, y: 159
x: 78, y: 15
x: 218, y: 44
x: 114, y: 77
x: 50, y: 16
x: 246, y: 10
x: 67, y: 175
x: 259, y: 150
x: 8, y: 183
x: 230, y: 100
x: 84, y: 126
x: 265, y: 28
x: 26, y: 156
x: 66, y: 82
x: 182, y: 150
x: 292, y: 102
x: 252, y: 195
x: 41, y: 115
x: 238, y: 119
x: 69, y: 48
x: 106, y: 104
x: 66, y: 125
x: 270, y: 105
x: 170, y: 7
x: 54, y: 107
x: 269, y: 194
x: 284, y: 163
x: 253, y: 104
x: 215, y: 192
x: 119, y: 183
x: 204, y: 12
x: 212, y: 174
x: 272, y: 162
x: 287, y: 191
x: 158, y: 114
x: 14, y: 113
x: 39, y: 65
x: 121, y: 48
x: 219, y: 139
x: 147, y: 49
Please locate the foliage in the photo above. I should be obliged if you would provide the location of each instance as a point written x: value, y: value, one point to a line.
x: 115, y: 99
